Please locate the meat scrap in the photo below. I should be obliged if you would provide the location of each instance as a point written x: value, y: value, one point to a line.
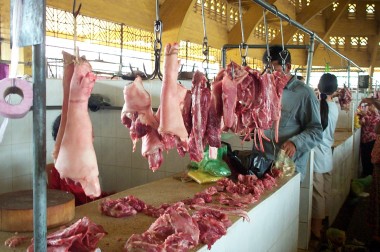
x: 212, y: 225
x: 15, y: 240
x: 76, y: 158
x: 83, y: 235
x: 174, y: 230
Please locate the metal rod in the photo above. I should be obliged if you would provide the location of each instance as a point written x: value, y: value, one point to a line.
x: 274, y: 10
x: 233, y: 46
x: 39, y: 138
x: 348, y: 74
x: 310, y: 59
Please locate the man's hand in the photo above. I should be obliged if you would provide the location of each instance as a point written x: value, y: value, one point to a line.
x: 289, y: 148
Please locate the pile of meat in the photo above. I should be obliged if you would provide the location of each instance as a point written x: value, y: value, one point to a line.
x: 240, y: 100
x: 83, y: 235
x: 201, y: 219
x: 345, y: 98
x: 74, y: 153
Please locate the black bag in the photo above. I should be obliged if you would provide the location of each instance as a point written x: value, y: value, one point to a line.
x: 248, y: 162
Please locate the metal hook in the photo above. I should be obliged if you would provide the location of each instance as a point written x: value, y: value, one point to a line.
x: 274, y: 6
x: 243, y: 46
x: 76, y: 12
x: 157, y: 47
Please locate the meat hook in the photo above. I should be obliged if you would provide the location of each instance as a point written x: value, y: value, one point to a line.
x: 76, y: 12
x: 157, y: 46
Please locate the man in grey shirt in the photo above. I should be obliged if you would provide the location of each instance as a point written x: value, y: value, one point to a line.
x: 300, y: 127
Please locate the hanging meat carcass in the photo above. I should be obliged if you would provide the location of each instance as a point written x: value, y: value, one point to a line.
x: 345, y: 98
x: 172, y: 127
x: 76, y: 158
x: 68, y: 70
x: 137, y: 113
x: 201, y: 97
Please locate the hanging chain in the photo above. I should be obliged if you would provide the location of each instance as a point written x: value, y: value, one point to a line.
x: 157, y: 33
x: 205, y: 47
x: 269, y: 58
x: 243, y: 47
x: 284, y: 54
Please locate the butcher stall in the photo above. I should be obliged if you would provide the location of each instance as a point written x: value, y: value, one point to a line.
x: 271, y: 223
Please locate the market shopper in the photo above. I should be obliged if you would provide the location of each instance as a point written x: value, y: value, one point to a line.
x: 323, y: 161
x: 368, y: 118
x: 300, y: 127
x: 374, y: 195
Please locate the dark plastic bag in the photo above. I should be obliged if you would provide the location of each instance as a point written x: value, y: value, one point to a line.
x: 248, y: 162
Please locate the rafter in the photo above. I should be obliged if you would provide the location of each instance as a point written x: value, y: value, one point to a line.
x: 173, y: 18
x: 333, y: 19
x: 373, y: 55
x: 303, y: 17
x: 251, y: 19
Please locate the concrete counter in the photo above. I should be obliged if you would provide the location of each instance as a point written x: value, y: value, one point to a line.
x: 273, y: 225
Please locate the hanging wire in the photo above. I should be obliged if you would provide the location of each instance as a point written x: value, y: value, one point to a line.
x: 205, y: 46
x: 269, y: 58
x: 243, y: 45
x: 284, y: 53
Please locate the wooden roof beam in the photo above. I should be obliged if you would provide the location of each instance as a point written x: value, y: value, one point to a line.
x: 373, y: 56
x: 330, y: 23
x: 251, y: 19
x: 303, y: 17
x: 173, y: 15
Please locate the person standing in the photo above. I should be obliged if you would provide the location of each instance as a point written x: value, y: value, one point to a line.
x: 323, y: 161
x: 368, y: 118
x: 300, y: 127
x: 374, y: 194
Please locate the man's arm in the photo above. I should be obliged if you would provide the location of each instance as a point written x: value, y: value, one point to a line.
x: 311, y: 136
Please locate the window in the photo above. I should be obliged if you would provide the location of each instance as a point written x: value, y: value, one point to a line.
x: 351, y: 11
x: 260, y: 32
x: 355, y: 42
x: 335, y: 5
x: 298, y: 39
x: 337, y: 42
x: 219, y: 11
x: 370, y: 11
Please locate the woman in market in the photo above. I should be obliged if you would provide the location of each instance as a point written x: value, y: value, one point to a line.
x: 55, y: 181
x: 368, y: 118
x: 323, y: 161
x: 374, y: 195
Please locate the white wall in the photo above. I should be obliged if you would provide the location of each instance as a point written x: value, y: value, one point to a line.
x: 119, y: 167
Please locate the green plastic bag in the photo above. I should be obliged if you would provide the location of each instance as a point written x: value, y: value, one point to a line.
x: 216, y: 167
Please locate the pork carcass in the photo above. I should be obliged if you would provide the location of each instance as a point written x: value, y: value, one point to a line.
x: 171, y: 122
x: 201, y: 97
x: 137, y: 113
x: 68, y: 70
x: 76, y: 158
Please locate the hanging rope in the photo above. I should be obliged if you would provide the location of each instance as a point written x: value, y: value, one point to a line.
x: 205, y: 47
x: 243, y: 47
x: 75, y: 36
x: 269, y: 58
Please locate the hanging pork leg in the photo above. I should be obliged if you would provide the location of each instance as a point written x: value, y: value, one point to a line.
x: 76, y: 158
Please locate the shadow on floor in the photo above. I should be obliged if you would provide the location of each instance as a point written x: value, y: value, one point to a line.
x: 352, y: 219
